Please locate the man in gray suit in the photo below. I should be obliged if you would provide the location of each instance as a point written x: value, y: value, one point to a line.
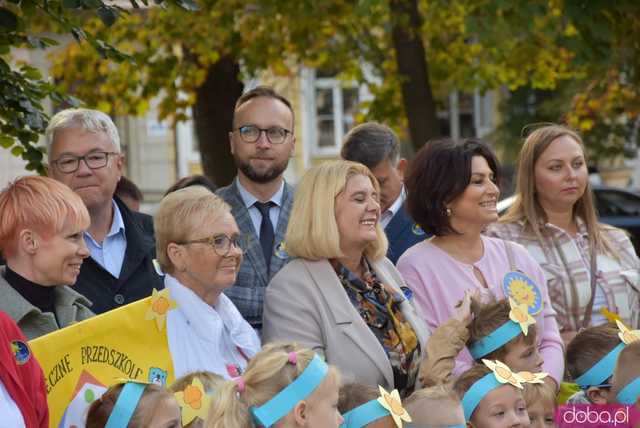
x: 262, y: 141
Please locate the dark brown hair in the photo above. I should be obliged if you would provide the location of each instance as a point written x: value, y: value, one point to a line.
x: 589, y: 346
x: 487, y: 317
x: 101, y: 409
x: 266, y: 92
x: 371, y: 143
x: 192, y: 180
x: 440, y: 172
x: 627, y: 367
x: 128, y: 188
x: 354, y: 394
x: 468, y: 378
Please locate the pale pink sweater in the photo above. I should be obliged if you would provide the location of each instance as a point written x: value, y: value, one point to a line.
x: 439, y: 281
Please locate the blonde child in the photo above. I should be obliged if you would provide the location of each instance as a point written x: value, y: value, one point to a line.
x: 134, y: 405
x: 283, y: 384
x: 540, y: 399
x: 437, y: 406
x: 488, y: 332
x: 196, y: 385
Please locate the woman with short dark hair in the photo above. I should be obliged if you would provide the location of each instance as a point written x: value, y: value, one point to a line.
x: 452, y: 192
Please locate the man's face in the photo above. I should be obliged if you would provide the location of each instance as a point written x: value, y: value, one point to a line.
x: 390, y: 179
x: 95, y: 186
x: 262, y: 161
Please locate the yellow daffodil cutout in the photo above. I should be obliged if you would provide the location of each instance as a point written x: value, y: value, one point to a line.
x: 503, y: 373
x: 627, y: 336
x: 519, y: 314
x: 529, y: 377
x: 522, y: 292
x: 610, y: 316
x: 161, y: 304
x: 193, y: 402
x: 392, y: 403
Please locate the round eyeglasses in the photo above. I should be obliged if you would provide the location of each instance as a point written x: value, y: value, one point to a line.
x: 94, y: 160
x: 251, y: 134
x: 221, y: 243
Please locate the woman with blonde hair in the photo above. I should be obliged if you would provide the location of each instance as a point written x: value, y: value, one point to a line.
x: 284, y: 384
x: 591, y: 268
x: 41, y: 238
x: 200, y: 249
x: 340, y: 296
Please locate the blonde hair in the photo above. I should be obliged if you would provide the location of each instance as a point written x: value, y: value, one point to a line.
x: 312, y: 232
x: 539, y: 392
x: 526, y: 206
x: 180, y: 215
x: 210, y: 381
x: 39, y: 203
x: 268, y: 373
x: 432, y: 396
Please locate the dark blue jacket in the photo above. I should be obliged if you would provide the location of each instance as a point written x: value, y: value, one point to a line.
x: 402, y: 233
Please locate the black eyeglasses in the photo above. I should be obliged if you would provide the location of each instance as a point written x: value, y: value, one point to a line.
x: 94, y: 160
x: 251, y: 134
x: 221, y: 243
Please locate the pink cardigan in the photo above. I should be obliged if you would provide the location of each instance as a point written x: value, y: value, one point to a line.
x: 439, y: 281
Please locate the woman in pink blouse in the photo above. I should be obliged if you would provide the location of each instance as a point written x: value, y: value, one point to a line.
x: 452, y: 192
x: 590, y: 268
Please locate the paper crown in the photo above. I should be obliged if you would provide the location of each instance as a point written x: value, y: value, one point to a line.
x: 500, y: 375
x: 519, y: 321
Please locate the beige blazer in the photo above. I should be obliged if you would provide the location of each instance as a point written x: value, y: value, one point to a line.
x: 306, y: 303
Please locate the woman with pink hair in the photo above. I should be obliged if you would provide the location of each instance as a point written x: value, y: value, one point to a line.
x: 41, y: 239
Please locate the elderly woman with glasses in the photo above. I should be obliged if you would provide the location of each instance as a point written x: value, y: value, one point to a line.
x: 199, y: 247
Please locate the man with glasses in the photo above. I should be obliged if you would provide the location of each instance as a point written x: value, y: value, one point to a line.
x: 262, y: 141
x: 83, y: 149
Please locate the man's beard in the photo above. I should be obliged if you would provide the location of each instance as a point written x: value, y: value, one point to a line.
x: 261, y: 177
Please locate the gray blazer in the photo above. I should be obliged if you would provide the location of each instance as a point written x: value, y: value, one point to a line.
x: 69, y: 307
x: 306, y: 303
x: 247, y: 293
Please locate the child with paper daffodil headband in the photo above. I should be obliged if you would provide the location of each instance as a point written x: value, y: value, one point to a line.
x: 364, y: 406
x: 283, y: 384
x: 496, y: 330
x: 491, y: 392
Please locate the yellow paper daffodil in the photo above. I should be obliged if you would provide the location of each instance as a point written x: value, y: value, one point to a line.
x: 529, y: 377
x: 610, y: 316
x: 627, y: 336
x: 193, y: 402
x: 161, y: 304
x: 393, y: 404
x: 503, y: 373
x: 520, y: 315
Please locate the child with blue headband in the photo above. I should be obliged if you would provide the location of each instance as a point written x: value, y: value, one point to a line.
x: 625, y: 387
x: 435, y: 407
x: 134, y: 405
x: 283, y: 384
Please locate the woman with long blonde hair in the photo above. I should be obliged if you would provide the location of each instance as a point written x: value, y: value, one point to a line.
x: 591, y: 268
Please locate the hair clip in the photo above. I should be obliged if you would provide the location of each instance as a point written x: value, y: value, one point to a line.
x: 240, y: 384
x: 193, y: 401
x: 293, y: 357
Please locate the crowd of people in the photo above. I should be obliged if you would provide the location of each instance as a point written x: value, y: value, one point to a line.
x: 376, y: 291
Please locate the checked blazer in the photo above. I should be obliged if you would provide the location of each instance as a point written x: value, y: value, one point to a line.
x: 247, y: 293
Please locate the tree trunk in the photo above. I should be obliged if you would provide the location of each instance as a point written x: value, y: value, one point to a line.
x: 213, y: 116
x: 411, y: 59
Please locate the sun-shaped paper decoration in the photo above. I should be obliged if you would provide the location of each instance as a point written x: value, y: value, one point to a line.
x: 522, y: 292
x: 529, y: 377
x: 520, y: 315
x: 392, y: 403
x: 627, y: 336
x: 503, y: 373
x: 161, y: 304
x: 193, y: 402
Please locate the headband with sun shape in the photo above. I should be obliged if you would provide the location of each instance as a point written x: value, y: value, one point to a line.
x: 500, y: 375
x: 193, y: 401
x: 519, y: 322
x: 388, y: 404
x: 523, y: 290
x: 603, y: 369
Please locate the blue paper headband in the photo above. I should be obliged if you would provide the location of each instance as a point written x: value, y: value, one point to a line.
x: 476, y: 393
x: 284, y: 401
x: 499, y: 337
x: 601, y: 370
x: 630, y: 393
x: 125, y: 405
x: 364, y: 414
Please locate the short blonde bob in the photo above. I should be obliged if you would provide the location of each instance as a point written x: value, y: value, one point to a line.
x: 313, y: 231
x: 181, y: 215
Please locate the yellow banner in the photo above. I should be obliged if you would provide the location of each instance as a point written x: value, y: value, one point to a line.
x: 82, y: 360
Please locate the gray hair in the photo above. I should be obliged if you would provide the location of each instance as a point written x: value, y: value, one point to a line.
x: 88, y: 120
x: 370, y: 144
